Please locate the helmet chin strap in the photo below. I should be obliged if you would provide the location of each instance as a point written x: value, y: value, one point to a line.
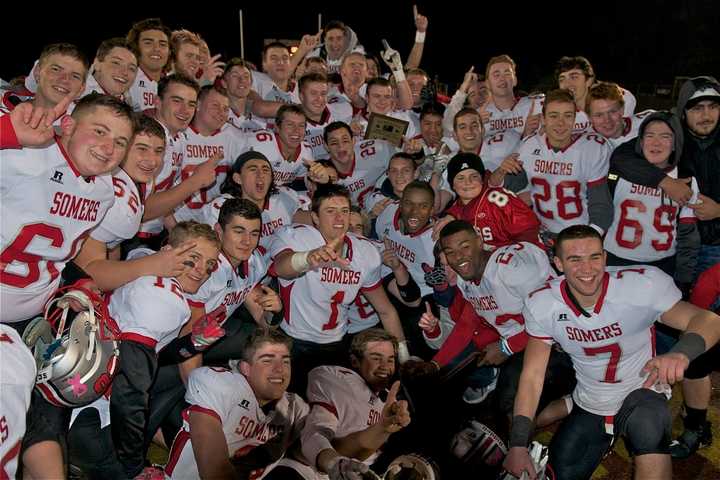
x: 574, y: 301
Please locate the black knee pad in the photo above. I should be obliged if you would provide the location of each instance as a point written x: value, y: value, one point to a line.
x: 646, y: 422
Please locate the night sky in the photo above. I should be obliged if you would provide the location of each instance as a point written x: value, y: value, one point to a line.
x: 638, y: 44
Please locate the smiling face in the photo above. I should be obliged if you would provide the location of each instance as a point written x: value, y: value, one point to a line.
x: 380, y: 99
x: 431, y: 129
x: 401, y: 171
x: 582, y: 260
x: 268, y: 373
x: 354, y: 69
x: 97, y: 140
x: 416, y: 209
x: 204, y: 258
x: 607, y: 117
x: 154, y: 48
x: 559, y: 119
x: 416, y: 82
x: 335, y: 42
x: 212, y: 111
x: 292, y: 130
x: 239, y: 238
x: 255, y: 179
x: 357, y: 225
x: 467, y: 184
x: 314, y: 99
x: 238, y: 81
x: 116, y: 72
x: 657, y: 143
x: 463, y: 253
x: 469, y: 132
x: 58, y: 76
x: 144, y: 158
x: 177, y: 107
x: 377, y: 365
x: 332, y: 217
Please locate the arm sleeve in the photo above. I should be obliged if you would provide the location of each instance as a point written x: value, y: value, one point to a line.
x: 516, y: 182
x: 688, y: 245
x: 456, y: 104
x: 8, y: 138
x: 600, y: 205
x: 633, y: 168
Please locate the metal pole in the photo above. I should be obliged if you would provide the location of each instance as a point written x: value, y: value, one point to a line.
x: 242, y: 37
x: 319, y: 22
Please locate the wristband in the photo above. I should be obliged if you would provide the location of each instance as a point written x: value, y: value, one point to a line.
x: 399, y: 75
x: 691, y: 345
x: 410, y: 291
x: 299, y: 262
x: 419, y: 37
x: 403, y: 353
x: 505, y: 348
x: 520, y: 431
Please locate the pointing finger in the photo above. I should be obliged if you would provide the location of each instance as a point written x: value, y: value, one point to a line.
x: 392, y: 394
x: 427, y: 308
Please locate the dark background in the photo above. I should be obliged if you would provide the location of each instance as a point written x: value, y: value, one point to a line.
x: 641, y: 45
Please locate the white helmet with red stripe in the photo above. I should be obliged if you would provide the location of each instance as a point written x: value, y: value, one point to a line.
x: 477, y: 445
x: 76, y: 359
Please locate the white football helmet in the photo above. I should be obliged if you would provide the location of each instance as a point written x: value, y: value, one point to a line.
x: 77, y: 359
x: 477, y: 445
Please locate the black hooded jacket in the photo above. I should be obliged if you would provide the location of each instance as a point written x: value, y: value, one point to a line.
x: 700, y: 159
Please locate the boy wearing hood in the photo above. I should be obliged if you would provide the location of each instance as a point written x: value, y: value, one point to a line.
x: 649, y: 228
x: 698, y: 108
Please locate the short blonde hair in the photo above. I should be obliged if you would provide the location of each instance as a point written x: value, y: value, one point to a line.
x: 191, y: 229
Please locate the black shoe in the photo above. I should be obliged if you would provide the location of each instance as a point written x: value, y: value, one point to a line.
x: 690, y: 441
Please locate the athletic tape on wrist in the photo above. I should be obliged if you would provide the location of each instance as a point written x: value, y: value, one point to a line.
x: 299, y: 262
x: 419, y: 37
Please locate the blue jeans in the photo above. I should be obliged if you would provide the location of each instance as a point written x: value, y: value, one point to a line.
x: 708, y: 256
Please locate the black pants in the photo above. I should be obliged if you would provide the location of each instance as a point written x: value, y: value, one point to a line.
x: 559, y: 380
x: 90, y: 448
x: 129, y: 405
x: 578, y: 447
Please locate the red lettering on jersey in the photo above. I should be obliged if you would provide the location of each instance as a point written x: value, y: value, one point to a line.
x: 641, y: 190
x: 282, y: 178
x: 484, y: 303
x: 595, y: 335
x: 204, y: 151
x: 545, y: 286
x: 356, y: 185
x: 234, y: 298
x: 507, y: 123
x: 4, y: 429
x: 71, y: 206
x: 373, y: 417
x: 149, y: 99
x: 174, y: 286
x: 269, y: 228
x: 5, y: 338
x: 553, y: 167
x: 620, y: 273
x: 402, y: 251
x: 339, y: 275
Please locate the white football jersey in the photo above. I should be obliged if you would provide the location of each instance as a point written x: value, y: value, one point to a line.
x: 284, y: 171
x: 370, y: 162
x: 315, y: 302
x: 630, y: 102
x: 495, y: 149
x: 414, y: 250
x: 17, y: 379
x: 149, y: 310
x: 277, y: 212
x: 342, y: 403
x: 47, y: 211
x: 226, y: 395
x: 512, y: 272
x: 166, y: 177
x: 361, y: 314
x: 559, y: 180
x: 609, y: 348
x: 268, y: 90
x: 229, y: 287
x: 514, y: 117
x: 582, y: 122
x: 122, y: 221
x: 142, y: 92
x: 645, y: 222
x: 334, y: 112
x: 245, y: 124
x: 198, y: 149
